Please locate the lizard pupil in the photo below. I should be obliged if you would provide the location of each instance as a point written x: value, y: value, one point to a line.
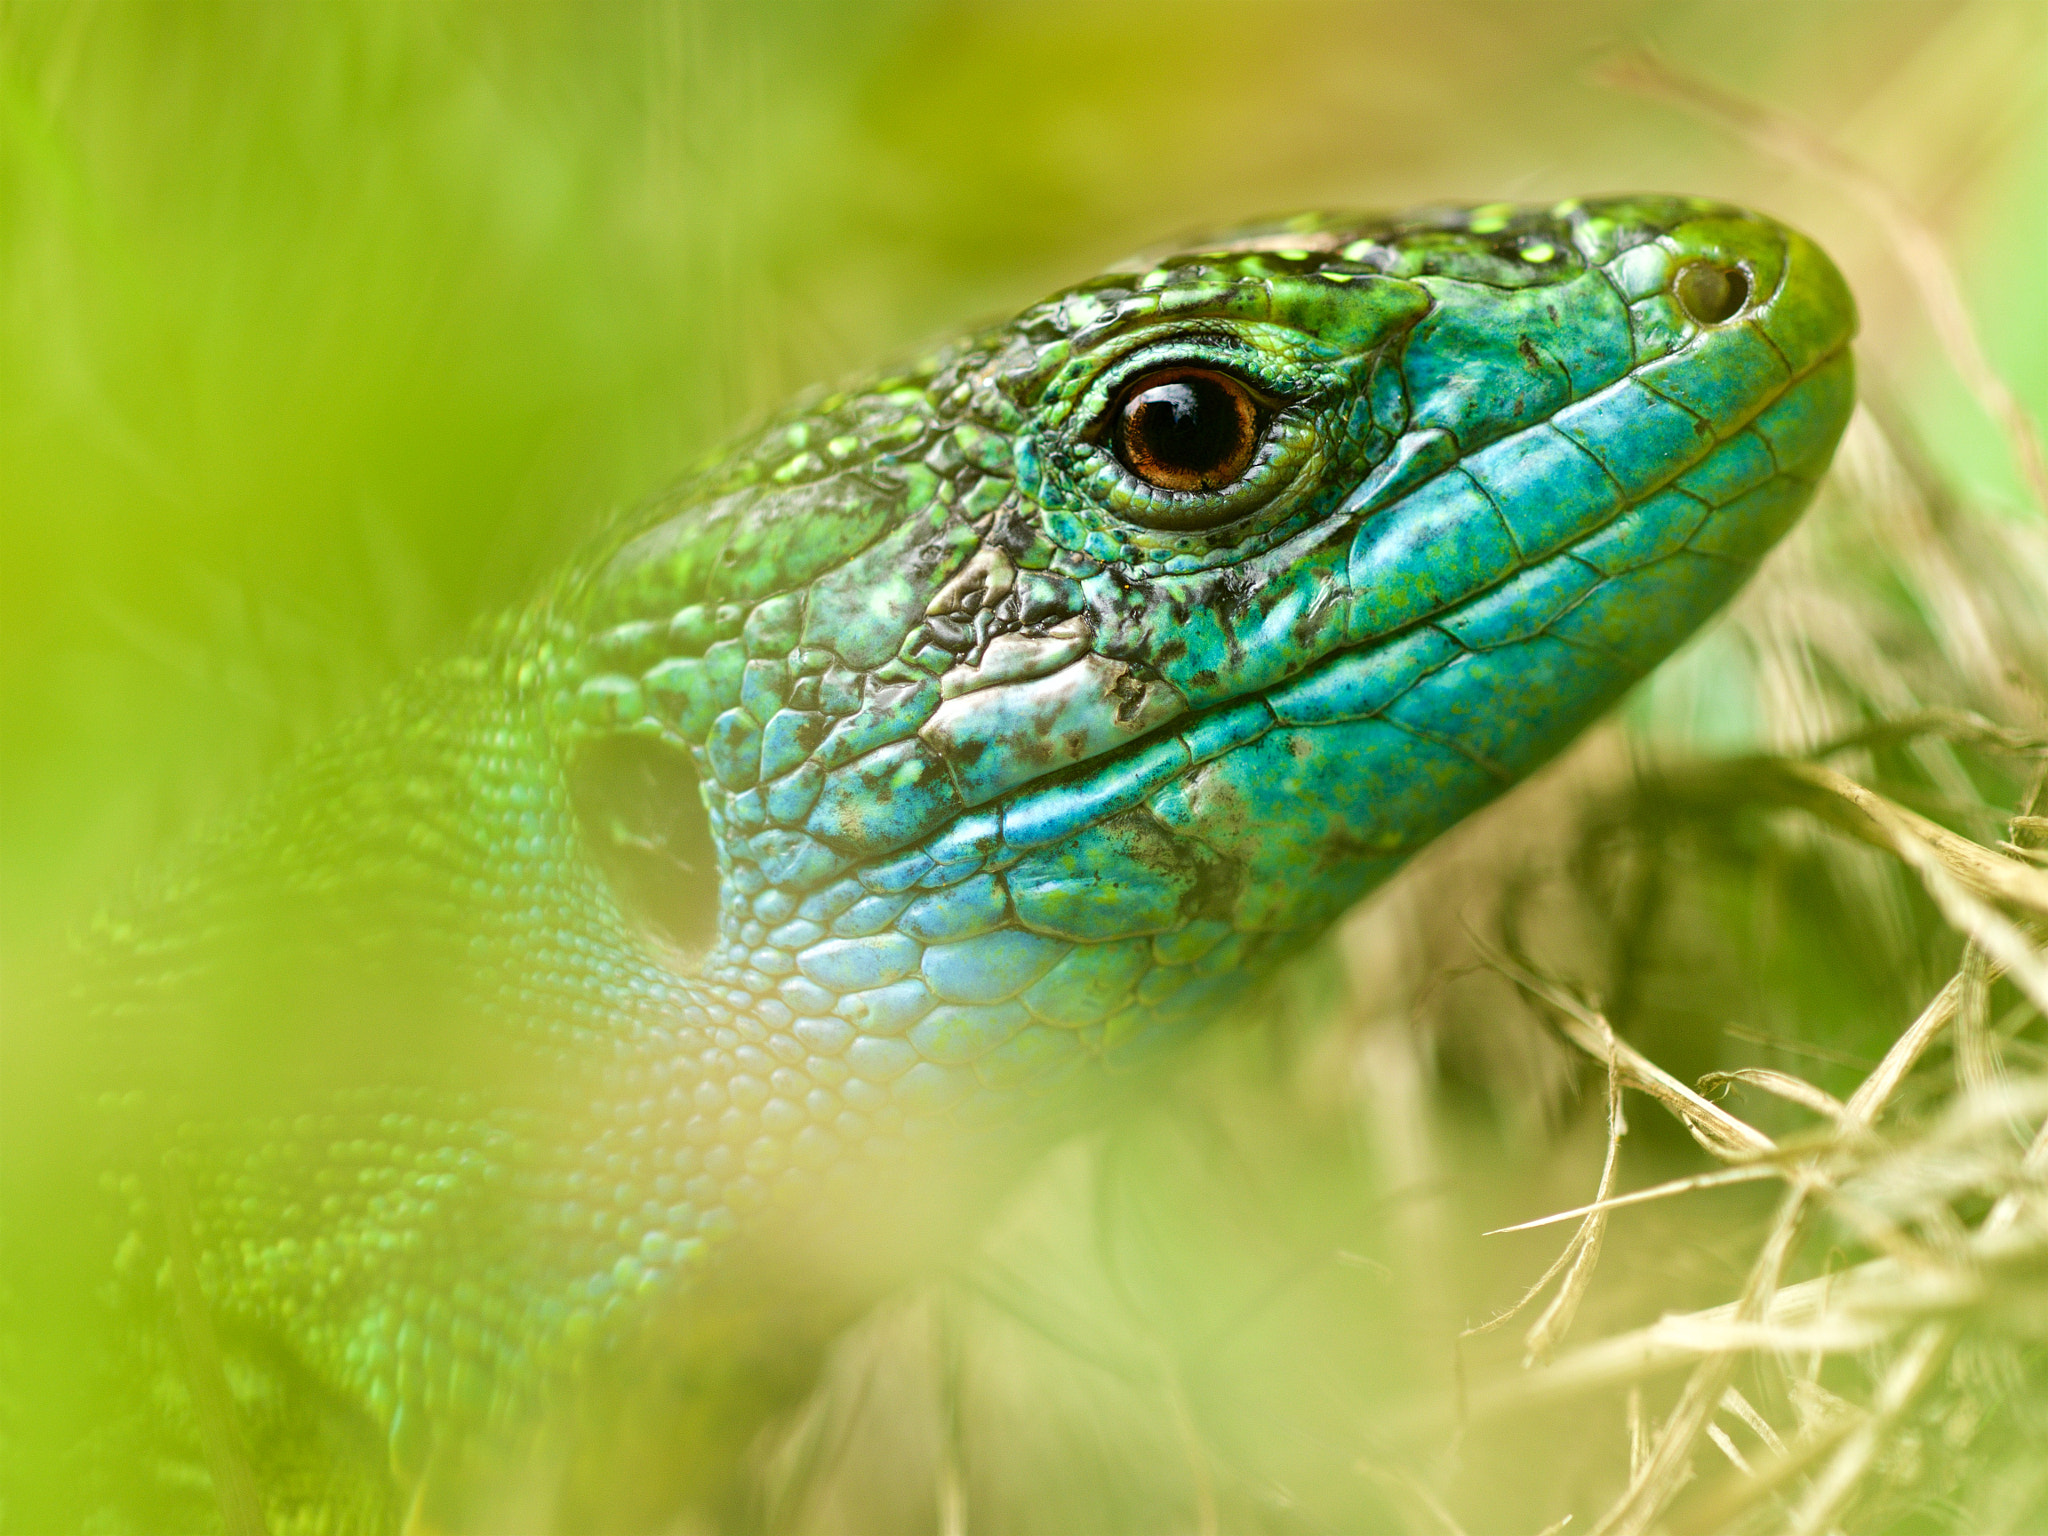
x: 1187, y: 429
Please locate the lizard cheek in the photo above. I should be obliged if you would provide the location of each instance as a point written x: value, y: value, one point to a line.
x: 643, y: 822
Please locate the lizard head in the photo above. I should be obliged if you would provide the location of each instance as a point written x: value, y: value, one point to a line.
x: 954, y: 736
x: 1022, y: 703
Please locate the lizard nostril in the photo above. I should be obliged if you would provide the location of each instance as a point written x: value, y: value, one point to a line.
x: 1710, y: 294
x: 644, y: 824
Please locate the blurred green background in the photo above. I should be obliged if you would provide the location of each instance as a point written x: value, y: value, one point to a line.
x: 325, y: 327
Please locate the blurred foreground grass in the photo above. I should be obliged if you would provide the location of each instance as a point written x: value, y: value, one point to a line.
x: 323, y: 328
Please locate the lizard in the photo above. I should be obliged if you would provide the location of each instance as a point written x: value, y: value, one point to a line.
x: 508, y: 1103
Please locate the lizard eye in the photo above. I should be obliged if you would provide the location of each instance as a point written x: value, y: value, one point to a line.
x: 1187, y: 429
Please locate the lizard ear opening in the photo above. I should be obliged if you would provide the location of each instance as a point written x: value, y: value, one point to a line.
x: 644, y: 824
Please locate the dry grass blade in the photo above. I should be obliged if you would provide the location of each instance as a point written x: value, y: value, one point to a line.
x: 1964, y: 878
x: 1978, y: 1069
x: 1786, y: 1464
x: 1734, y: 1402
x: 2033, y: 1170
x: 1667, y: 1466
x: 1794, y: 1090
x: 1952, y: 724
x: 1877, y: 1089
x: 1728, y: 1138
x: 2002, y: 942
x: 1842, y: 802
x: 1580, y: 1255
x: 1906, y: 1186
x: 1726, y: 1446
x: 1746, y: 1173
x: 1908, y: 1377
x: 1556, y: 1319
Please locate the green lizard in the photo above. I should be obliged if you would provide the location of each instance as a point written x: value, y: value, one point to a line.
x: 500, y: 1113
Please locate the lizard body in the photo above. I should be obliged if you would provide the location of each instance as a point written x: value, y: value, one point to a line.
x: 635, y: 985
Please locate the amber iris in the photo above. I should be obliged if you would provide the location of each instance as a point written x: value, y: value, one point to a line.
x: 1711, y: 294
x: 1187, y: 429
